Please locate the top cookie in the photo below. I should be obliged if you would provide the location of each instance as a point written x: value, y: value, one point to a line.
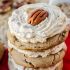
x: 37, y: 22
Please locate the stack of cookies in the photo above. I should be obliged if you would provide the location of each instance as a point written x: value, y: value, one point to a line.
x: 36, y: 37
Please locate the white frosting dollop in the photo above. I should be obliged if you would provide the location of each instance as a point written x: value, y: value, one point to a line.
x: 54, y: 24
x: 44, y: 53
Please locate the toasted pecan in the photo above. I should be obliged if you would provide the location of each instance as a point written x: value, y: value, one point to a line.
x: 17, y: 4
x: 37, y: 16
x: 5, y: 6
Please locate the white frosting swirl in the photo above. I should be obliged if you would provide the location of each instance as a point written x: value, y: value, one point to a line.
x: 54, y: 24
x: 44, y: 53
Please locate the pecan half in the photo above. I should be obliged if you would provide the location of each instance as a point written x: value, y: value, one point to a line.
x: 37, y: 16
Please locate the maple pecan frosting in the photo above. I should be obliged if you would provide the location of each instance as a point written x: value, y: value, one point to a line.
x: 37, y: 22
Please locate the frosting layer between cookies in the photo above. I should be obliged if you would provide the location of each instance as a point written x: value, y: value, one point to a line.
x: 44, y: 53
x: 54, y: 24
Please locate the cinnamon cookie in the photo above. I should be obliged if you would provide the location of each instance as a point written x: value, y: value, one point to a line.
x: 34, y: 62
x: 35, y: 23
x: 57, y: 66
x: 50, y: 42
x: 43, y: 53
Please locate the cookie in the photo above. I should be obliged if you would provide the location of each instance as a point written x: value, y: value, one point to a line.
x: 1, y: 50
x: 5, y: 6
x: 65, y: 7
x: 19, y: 3
x: 34, y: 62
x: 43, y: 53
x: 57, y: 66
x: 50, y: 42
